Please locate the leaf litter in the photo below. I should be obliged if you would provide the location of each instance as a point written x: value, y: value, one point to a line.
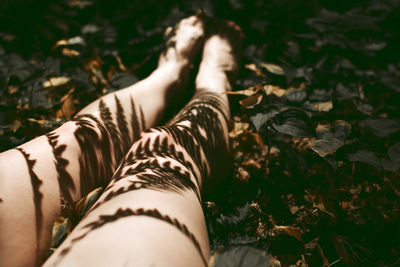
x: 315, y: 135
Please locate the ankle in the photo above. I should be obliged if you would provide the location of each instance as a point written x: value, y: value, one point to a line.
x: 213, y: 79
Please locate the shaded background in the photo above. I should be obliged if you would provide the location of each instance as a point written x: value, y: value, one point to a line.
x: 315, y: 127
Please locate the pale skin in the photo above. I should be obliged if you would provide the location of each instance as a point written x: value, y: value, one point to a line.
x: 137, y: 236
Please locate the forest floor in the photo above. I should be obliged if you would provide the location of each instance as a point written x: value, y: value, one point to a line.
x: 315, y: 131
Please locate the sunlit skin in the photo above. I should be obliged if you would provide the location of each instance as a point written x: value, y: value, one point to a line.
x: 157, y: 210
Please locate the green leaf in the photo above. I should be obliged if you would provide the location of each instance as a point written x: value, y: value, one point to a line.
x: 240, y: 257
x: 122, y: 80
x: 239, y: 215
x: 260, y: 119
x: 61, y: 229
x: 326, y: 146
x: 296, y: 95
x: 394, y: 152
x: 83, y: 205
x: 372, y: 158
x: 381, y: 127
x: 341, y: 129
x: 343, y: 93
x: 367, y: 157
x: 293, y: 122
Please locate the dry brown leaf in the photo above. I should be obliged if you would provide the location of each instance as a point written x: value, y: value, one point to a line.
x: 70, y: 52
x: 274, y: 151
x: 300, y: 263
x: 16, y: 125
x: 251, y: 163
x: 244, y: 175
x: 238, y: 128
x: 292, y: 231
x: 120, y: 64
x: 323, y: 127
x: 68, y: 107
x: 254, y: 68
x: 274, y: 262
x: 273, y: 68
x: 276, y: 90
x: 111, y: 72
x: 79, y: 3
x: 78, y: 40
x: 94, y: 66
x: 341, y: 250
x: 61, y: 42
x: 247, y: 92
x: 12, y: 89
x: 251, y: 101
x: 323, y: 106
x: 56, y: 81
x: 325, y: 261
x: 258, y: 139
x: 41, y: 122
x: 319, y: 203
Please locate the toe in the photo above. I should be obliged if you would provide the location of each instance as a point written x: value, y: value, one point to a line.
x: 168, y: 31
x: 191, y: 20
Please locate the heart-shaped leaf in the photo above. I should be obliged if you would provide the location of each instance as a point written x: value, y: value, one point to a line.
x: 293, y: 122
x: 368, y: 157
x: 326, y: 146
x: 240, y: 257
x: 381, y: 127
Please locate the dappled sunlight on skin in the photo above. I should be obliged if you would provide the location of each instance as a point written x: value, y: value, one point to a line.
x: 174, y: 158
x: 177, y: 160
x: 84, y: 153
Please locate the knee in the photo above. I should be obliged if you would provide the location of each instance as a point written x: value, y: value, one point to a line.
x: 156, y: 139
x: 159, y: 144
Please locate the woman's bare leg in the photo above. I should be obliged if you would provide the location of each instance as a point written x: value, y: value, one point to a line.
x: 151, y: 214
x: 83, y: 154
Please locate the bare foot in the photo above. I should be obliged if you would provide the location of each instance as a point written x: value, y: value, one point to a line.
x: 185, y: 41
x: 221, y: 56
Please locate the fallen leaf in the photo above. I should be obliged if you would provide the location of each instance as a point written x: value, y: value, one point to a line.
x: 252, y: 163
x: 292, y: 231
x: 238, y: 128
x: 79, y: 3
x: 273, y: 68
x: 61, y: 229
x: 251, y: 101
x: 258, y: 139
x: 318, y: 202
x: 381, y: 127
x: 276, y: 90
x: 244, y: 175
x: 70, y: 52
x: 68, y: 108
x: 325, y: 261
x: 324, y: 106
x: 71, y: 41
x: 16, y: 125
x: 56, y: 81
x: 120, y: 64
x: 274, y: 262
x: 83, y: 205
x: 296, y: 95
x: 325, y: 147
x: 12, y: 89
x: 293, y: 122
x: 254, y: 68
x: 247, y: 92
x: 240, y: 257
